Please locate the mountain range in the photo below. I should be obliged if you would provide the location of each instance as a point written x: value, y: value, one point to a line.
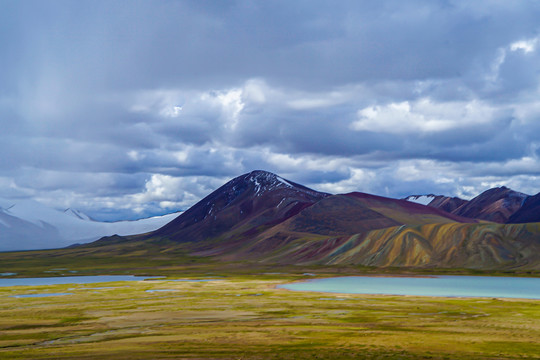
x: 29, y: 225
x: 496, y: 205
x: 262, y: 217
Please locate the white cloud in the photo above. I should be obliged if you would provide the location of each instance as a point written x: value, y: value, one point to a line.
x: 165, y: 102
x: 526, y: 46
x: 359, y: 180
x: 256, y: 91
x: 169, y: 192
x: 493, y: 73
x: 424, y: 116
x: 231, y: 105
x: 290, y: 163
x: 308, y: 101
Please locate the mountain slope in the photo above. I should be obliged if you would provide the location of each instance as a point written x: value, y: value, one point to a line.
x: 358, y: 212
x: 29, y: 225
x: 451, y: 245
x: 528, y: 212
x: 496, y: 205
x: 338, y: 216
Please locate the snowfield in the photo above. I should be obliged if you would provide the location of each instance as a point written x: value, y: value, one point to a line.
x: 29, y: 225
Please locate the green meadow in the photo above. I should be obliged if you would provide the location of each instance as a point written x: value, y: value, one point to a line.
x: 239, y: 314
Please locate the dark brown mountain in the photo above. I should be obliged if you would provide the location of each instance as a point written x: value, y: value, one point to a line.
x: 242, y: 207
x: 496, y: 205
x: 529, y: 212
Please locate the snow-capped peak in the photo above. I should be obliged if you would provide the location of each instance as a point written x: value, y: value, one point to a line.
x: 266, y: 181
x: 421, y: 199
x: 78, y: 214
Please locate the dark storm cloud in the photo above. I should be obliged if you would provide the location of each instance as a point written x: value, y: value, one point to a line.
x: 140, y: 44
x: 149, y: 105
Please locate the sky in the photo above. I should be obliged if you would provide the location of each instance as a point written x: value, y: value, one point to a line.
x: 127, y: 109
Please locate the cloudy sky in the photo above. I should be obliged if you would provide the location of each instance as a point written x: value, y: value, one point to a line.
x: 126, y: 109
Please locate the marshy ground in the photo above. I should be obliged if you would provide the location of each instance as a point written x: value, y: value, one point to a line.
x: 243, y: 316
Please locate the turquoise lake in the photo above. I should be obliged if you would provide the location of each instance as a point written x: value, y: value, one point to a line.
x: 445, y: 285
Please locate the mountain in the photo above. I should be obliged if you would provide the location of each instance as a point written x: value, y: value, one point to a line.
x: 265, y: 218
x: 242, y: 207
x: 446, y: 203
x: 529, y: 212
x: 358, y: 212
x: 324, y: 225
x: 260, y: 212
x: 262, y: 217
x: 29, y: 225
x: 496, y: 205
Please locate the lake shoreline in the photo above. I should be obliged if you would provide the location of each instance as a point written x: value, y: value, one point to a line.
x: 453, y: 283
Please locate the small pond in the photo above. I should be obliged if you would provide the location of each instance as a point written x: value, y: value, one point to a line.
x: 447, y: 286
x: 40, y: 295
x: 70, y: 280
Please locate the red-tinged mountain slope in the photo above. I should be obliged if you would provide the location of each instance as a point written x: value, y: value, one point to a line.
x: 528, y: 212
x: 340, y: 216
x: 496, y: 205
x: 446, y: 203
x: 358, y: 212
x: 241, y: 208
x: 451, y: 245
x: 406, y: 212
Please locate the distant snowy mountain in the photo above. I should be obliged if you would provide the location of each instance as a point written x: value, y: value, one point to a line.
x: 29, y: 225
x: 78, y: 214
x: 421, y: 199
x: 496, y: 204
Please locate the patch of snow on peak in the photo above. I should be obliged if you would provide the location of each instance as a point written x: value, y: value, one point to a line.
x: 421, y: 199
x: 283, y: 181
x: 265, y: 181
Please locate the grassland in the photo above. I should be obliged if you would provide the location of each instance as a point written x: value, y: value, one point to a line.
x: 243, y: 316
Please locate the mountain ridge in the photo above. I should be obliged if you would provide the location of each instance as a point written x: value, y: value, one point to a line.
x: 496, y: 204
x: 353, y: 228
